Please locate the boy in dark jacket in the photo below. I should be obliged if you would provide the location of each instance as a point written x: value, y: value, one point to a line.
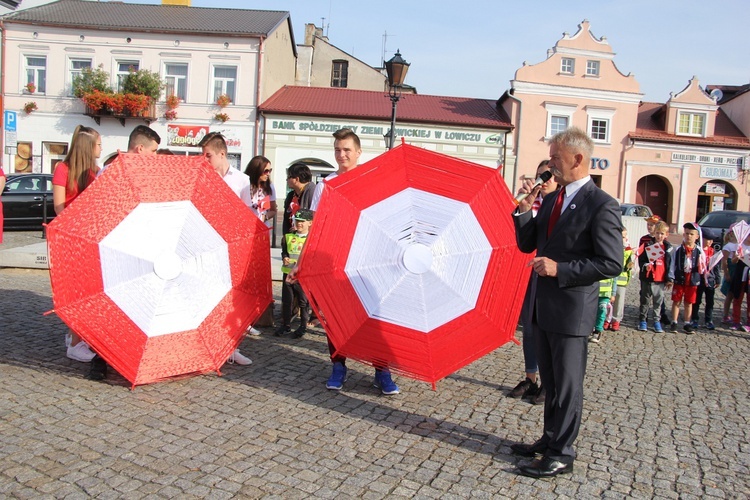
x: 709, y: 281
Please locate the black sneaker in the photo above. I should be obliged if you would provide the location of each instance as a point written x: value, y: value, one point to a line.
x: 299, y: 332
x: 98, y: 369
x: 673, y: 326
x: 282, y: 330
x: 538, y: 399
x: 522, y: 388
x: 688, y: 328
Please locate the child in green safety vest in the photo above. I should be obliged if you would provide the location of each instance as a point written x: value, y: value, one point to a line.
x: 291, y: 248
x: 628, y: 262
x: 607, y: 290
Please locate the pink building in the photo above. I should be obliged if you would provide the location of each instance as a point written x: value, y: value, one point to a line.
x: 683, y: 158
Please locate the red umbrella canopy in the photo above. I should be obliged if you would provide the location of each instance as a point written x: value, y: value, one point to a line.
x: 412, y: 263
x: 159, y: 267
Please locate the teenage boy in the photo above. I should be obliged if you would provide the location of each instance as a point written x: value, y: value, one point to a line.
x: 688, y: 264
x: 215, y: 150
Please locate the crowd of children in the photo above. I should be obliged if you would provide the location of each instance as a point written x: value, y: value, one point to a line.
x: 690, y: 273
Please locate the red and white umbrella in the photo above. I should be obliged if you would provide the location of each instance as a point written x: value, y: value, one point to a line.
x: 412, y: 263
x: 159, y: 267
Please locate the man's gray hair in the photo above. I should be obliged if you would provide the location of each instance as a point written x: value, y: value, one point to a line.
x: 575, y: 140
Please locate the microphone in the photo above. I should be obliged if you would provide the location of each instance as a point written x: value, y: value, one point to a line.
x: 544, y: 177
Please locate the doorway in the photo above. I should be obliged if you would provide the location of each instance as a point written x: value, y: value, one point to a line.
x: 715, y: 195
x: 653, y: 192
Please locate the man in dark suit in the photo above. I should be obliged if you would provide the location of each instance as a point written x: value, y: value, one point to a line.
x: 578, y: 242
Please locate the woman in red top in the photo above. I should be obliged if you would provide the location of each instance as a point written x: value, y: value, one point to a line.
x: 79, y: 168
x: 71, y: 177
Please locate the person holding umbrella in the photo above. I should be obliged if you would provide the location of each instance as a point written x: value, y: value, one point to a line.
x: 577, y: 239
x: 72, y: 175
x: 215, y: 150
x: 347, y: 150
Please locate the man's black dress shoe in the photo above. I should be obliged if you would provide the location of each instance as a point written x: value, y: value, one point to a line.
x: 528, y: 450
x: 98, y: 369
x: 545, y: 467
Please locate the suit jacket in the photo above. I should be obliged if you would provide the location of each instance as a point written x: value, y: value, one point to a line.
x: 586, y: 243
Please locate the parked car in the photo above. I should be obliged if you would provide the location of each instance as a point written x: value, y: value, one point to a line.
x: 720, y: 220
x: 23, y: 199
x: 634, y: 210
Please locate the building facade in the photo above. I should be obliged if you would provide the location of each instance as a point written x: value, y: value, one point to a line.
x: 682, y: 158
x: 199, y: 54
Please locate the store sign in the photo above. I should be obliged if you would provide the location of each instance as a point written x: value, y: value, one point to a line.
x: 711, y: 172
x: 733, y: 161
x: 185, y: 135
x: 600, y: 163
x: 437, y: 134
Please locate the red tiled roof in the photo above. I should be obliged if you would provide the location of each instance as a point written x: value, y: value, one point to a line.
x: 650, y: 126
x: 414, y: 108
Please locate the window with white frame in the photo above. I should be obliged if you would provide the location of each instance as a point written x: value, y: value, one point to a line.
x: 224, y: 81
x: 559, y: 117
x: 558, y: 124
x: 567, y: 65
x: 592, y: 68
x: 75, y: 66
x: 600, y: 123
x: 36, y: 72
x: 691, y: 124
x: 123, y: 70
x: 175, y: 77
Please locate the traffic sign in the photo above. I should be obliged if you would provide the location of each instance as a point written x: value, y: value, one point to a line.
x: 10, y: 120
x: 11, y: 138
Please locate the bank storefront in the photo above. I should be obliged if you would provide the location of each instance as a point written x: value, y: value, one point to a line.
x: 289, y: 139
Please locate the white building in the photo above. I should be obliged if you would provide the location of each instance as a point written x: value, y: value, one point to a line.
x: 200, y: 53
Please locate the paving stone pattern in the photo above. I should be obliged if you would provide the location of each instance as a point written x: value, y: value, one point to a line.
x: 666, y: 416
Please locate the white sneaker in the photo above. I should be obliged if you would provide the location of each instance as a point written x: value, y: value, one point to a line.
x: 81, y: 352
x: 239, y: 358
x: 253, y: 331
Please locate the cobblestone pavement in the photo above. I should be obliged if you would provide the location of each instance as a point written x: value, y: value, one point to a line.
x: 666, y: 416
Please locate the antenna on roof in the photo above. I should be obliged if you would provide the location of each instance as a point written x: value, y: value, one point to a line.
x: 385, y: 49
x: 716, y: 95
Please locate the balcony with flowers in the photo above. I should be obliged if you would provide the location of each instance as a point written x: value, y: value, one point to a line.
x: 137, y: 97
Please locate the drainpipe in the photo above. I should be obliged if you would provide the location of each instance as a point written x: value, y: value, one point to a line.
x: 518, y: 141
x: 259, y: 81
x: 2, y: 92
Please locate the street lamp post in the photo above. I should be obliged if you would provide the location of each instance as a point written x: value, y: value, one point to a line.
x: 396, y: 68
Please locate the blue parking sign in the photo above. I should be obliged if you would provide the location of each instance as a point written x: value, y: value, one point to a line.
x: 10, y: 121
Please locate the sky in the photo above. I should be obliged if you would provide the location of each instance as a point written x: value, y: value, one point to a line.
x: 473, y: 48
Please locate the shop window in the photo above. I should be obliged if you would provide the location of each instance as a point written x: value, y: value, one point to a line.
x: 340, y: 74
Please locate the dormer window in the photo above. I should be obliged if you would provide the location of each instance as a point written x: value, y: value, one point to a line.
x: 691, y: 124
x: 592, y: 68
x: 567, y: 65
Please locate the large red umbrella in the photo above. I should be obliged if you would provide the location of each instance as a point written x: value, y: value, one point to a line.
x: 159, y: 267
x: 412, y: 263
